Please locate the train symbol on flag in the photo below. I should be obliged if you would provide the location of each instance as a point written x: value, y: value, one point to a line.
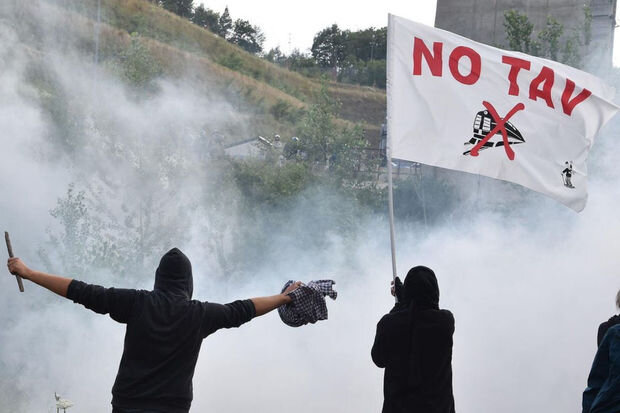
x: 484, y: 123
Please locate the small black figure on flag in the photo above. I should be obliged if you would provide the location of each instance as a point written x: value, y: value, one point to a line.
x: 567, y: 174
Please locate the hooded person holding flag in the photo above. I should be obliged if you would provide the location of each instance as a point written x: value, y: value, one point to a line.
x: 165, y: 329
x: 414, y: 345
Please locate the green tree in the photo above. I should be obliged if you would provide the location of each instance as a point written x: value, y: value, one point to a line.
x: 518, y: 31
x: 248, y: 37
x: 206, y: 18
x: 225, y: 24
x: 303, y: 63
x: 138, y: 67
x: 548, y: 41
x: 318, y: 129
x: 367, y: 45
x: 371, y: 73
x: 276, y: 56
x: 570, y: 52
x: 329, y: 47
x: 183, y: 8
x: 336, y: 149
x: 549, y: 38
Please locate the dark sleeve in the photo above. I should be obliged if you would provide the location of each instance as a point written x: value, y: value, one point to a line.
x: 379, y: 351
x: 602, y: 329
x: 598, y: 373
x: 118, y: 302
x: 229, y: 315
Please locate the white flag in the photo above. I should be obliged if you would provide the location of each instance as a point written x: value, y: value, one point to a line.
x: 463, y: 105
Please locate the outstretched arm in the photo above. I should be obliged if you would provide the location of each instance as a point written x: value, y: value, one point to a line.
x: 264, y: 305
x: 117, y: 302
x: 241, y: 311
x: 54, y: 283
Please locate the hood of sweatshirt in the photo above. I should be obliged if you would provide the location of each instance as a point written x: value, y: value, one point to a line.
x: 421, y: 288
x: 174, y: 274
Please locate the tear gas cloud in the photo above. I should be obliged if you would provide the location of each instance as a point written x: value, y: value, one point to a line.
x: 528, y: 285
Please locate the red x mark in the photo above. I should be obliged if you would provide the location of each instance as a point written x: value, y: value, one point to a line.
x: 500, y: 127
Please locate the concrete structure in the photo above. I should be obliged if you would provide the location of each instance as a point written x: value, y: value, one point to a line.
x: 483, y: 21
x: 249, y: 148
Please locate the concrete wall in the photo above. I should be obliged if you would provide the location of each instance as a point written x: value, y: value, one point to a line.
x: 483, y: 21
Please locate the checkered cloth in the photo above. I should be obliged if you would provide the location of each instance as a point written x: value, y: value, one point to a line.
x: 308, y: 305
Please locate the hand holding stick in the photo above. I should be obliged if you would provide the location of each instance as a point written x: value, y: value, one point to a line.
x: 10, y: 248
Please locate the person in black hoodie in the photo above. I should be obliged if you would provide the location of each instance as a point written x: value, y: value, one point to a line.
x: 606, y: 325
x: 165, y: 329
x: 414, y: 345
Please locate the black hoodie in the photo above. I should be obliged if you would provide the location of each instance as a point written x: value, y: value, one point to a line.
x: 165, y: 329
x: 414, y: 345
x: 602, y: 329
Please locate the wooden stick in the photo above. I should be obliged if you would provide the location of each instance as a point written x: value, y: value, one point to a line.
x: 10, y: 248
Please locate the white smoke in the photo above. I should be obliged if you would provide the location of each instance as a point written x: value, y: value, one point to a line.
x: 528, y: 285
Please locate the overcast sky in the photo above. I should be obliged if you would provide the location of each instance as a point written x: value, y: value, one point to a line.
x: 299, y: 21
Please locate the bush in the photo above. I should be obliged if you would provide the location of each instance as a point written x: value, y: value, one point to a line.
x: 231, y: 61
x: 280, y: 109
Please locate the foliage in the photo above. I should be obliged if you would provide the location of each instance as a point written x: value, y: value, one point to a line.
x: 81, y: 244
x: 587, y: 25
x: 206, y: 18
x: 138, y: 67
x: 261, y: 182
x: 225, y: 25
x: 357, y: 57
x: 317, y: 128
x: 248, y: 37
x: 367, y: 45
x: 323, y: 154
x: 328, y: 47
x: 231, y: 61
x: 280, y: 109
x: 276, y: 56
x: 549, y: 38
x: 303, y: 63
x: 548, y: 42
x: 327, y: 146
x: 518, y: 31
x: 371, y: 73
x: 183, y: 8
x: 94, y: 234
x: 570, y: 52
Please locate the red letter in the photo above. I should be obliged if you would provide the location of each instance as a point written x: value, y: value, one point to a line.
x: 476, y: 64
x: 516, y: 64
x: 569, y: 104
x: 546, y: 77
x: 434, y: 60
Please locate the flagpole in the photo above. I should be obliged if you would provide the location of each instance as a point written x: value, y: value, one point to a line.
x: 391, y: 206
x: 388, y: 148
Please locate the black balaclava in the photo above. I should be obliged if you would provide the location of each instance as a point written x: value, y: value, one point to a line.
x: 174, y: 274
x: 421, y: 289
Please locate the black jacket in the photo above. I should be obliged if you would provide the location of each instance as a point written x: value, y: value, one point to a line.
x: 165, y: 329
x: 414, y: 345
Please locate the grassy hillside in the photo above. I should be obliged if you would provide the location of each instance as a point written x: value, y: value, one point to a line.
x: 268, y: 96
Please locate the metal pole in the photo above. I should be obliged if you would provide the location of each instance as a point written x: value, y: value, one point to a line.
x: 391, y: 210
x: 388, y: 149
